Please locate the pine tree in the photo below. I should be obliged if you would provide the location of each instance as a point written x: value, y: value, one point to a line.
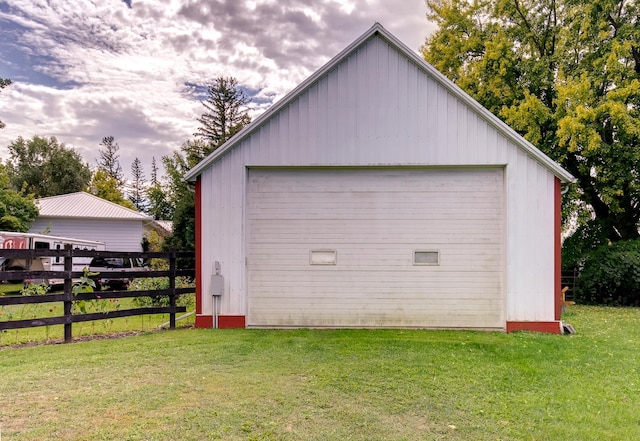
x: 138, y: 185
x: 226, y: 114
x: 109, y: 160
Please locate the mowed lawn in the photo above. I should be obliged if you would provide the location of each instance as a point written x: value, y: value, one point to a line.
x: 332, y: 385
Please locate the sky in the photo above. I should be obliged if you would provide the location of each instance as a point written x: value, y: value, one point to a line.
x: 136, y: 69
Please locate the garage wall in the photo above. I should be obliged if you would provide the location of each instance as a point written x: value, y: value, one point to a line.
x: 378, y: 108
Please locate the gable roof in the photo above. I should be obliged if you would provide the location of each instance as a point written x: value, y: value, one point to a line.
x: 378, y: 30
x: 87, y: 206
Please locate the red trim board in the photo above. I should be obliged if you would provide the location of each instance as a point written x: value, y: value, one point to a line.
x: 204, y: 321
x: 549, y: 327
x: 557, y: 232
x: 231, y: 321
x: 199, y: 280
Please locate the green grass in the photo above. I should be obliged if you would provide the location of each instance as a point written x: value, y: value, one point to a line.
x: 332, y: 385
x: 55, y: 333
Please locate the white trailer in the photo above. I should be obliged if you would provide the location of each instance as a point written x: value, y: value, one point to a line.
x: 33, y: 241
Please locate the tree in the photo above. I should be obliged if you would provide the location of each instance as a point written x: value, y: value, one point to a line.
x: 226, y: 113
x: 137, y: 195
x: 105, y: 186
x: 17, y: 210
x: 43, y: 167
x: 159, y: 207
x: 4, y: 82
x: 566, y: 75
x: 181, y: 195
x: 109, y: 160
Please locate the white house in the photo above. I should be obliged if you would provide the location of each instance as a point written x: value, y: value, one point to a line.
x: 85, y: 216
x: 378, y: 194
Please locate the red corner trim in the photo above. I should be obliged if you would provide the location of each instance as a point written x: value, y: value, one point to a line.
x: 198, y: 204
x: 204, y: 321
x: 231, y: 321
x: 548, y: 327
x: 557, y: 231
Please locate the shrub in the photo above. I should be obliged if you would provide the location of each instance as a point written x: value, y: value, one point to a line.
x: 153, y: 283
x: 611, y: 275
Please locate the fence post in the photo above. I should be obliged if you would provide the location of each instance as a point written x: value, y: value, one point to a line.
x: 68, y: 293
x: 172, y: 287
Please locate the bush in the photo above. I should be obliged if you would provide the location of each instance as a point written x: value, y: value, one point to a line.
x: 611, y: 276
x: 153, y: 283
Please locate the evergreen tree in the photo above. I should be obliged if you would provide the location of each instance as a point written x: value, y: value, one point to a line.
x: 137, y: 195
x: 226, y: 112
x: 109, y: 160
x: 159, y: 206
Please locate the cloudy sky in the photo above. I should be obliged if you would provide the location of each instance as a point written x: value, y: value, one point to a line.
x: 134, y: 69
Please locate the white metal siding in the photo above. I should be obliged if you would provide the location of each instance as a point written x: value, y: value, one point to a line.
x: 375, y: 220
x: 118, y: 235
x: 378, y: 108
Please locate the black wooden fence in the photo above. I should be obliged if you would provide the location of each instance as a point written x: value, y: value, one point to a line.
x: 68, y: 297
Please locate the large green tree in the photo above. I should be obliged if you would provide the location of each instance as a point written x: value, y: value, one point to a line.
x: 17, y: 210
x: 105, y: 186
x: 4, y: 82
x: 226, y: 112
x: 566, y: 75
x: 44, y: 167
x: 180, y: 193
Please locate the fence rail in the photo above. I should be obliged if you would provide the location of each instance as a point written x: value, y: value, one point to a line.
x: 68, y: 298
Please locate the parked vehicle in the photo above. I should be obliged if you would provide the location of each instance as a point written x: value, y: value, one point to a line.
x: 112, y: 271
x: 34, y: 241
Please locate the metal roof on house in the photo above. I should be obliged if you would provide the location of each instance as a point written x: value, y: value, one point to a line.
x: 86, y: 206
x: 378, y: 30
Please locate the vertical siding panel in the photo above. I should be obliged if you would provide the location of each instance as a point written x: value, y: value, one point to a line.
x: 353, y: 110
x: 492, y: 147
x: 342, y: 115
x: 377, y: 100
x: 311, y: 139
x: 303, y: 128
x: 282, y: 139
x: 431, y: 135
x: 443, y: 124
x: 322, y: 118
x: 393, y: 151
x: 453, y: 127
x: 332, y: 115
x: 462, y: 134
x: 363, y: 105
x: 413, y: 115
x: 294, y: 127
x: 404, y: 104
x: 468, y: 151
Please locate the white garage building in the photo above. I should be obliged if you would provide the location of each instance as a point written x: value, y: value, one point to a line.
x: 378, y: 194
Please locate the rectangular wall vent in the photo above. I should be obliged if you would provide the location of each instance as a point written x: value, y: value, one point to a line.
x: 323, y: 257
x: 426, y: 257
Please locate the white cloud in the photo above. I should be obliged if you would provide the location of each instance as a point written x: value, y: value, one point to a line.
x: 83, y: 70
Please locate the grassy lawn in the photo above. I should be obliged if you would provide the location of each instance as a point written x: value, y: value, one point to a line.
x: 100, y: 327
x: 332, y: 385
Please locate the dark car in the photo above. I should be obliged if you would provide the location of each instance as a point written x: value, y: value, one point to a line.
x: 112, y: 271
